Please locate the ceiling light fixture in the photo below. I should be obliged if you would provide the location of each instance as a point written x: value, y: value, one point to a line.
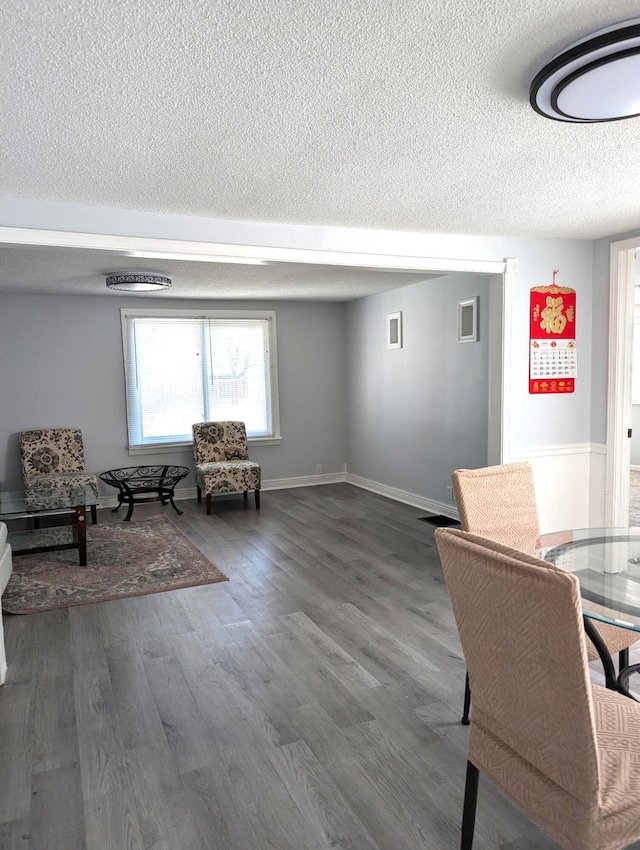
x: 137, y: 281
x: 595, y: 79
x: 199, y: 258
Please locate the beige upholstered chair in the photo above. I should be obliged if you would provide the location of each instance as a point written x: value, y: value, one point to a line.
x: 499, y: 502
x: 53, y: 458
x: 6, y: 569
x: 222, y: 462
x: 566, y: 752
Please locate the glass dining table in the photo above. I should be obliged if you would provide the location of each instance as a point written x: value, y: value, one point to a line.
x: 606, y: 562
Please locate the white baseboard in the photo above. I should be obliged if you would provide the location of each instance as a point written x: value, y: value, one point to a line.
x: 112, y: 501
x: 268, y: 484
x: 429, y: 505
x: 304, y: 481
x: 635, y: 468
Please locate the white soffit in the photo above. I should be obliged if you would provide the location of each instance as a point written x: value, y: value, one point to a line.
x: 33, y: 270
x: 397, y: 115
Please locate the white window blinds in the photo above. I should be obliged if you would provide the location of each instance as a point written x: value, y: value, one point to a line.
x: 182, y: 369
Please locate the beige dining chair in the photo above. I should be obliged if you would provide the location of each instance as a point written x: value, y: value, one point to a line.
x: 565, y: 751
x: 499, y: 502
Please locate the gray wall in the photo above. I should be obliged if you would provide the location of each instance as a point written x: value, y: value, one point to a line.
x: 416, y: 413
x: 61, y: 365
x: 536, y: 421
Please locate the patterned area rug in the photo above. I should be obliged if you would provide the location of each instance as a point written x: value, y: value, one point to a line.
x: 123, y: 559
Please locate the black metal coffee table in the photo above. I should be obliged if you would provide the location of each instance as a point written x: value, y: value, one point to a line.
x: 138, y: 484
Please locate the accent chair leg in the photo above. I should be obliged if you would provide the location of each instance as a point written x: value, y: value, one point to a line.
x: 257, y: 492
x: 199, y: 491
x: 467, y: 702
x: 208, y: 500
x: 469, y: 806
x: 94, y: 514
x: 245, y: 495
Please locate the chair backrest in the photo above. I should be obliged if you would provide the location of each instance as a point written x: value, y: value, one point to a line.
x: 51, y: 450
x: 498, y: 502
x: 520, y: 625
x: 216, y: 441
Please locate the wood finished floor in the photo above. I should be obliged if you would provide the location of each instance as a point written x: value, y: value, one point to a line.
x: 311, y: 702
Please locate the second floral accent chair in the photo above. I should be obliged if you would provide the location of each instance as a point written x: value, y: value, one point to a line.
x: 222, y: 462
x: 53, y: 458
x: 499, y: 503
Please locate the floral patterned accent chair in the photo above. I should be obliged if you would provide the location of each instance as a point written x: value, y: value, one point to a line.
x: 565, y: 751
x: 53, y: 458
x: 222, y: 462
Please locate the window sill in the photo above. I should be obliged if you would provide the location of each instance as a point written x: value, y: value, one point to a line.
x: 172, y: 448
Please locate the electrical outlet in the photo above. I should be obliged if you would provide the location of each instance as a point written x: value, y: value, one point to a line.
x: 319, y: 469
x: 450, y: 493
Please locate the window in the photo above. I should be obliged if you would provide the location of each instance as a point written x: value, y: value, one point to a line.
x: 183, y: 367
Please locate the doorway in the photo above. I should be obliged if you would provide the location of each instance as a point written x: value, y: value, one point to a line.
x: 619, y: 404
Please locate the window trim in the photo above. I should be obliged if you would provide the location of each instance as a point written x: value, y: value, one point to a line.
x: 166, y: 313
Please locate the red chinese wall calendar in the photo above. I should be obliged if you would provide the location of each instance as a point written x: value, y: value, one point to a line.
x: 552, y: 343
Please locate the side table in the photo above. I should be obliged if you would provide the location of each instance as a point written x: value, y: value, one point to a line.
x: 137, y: 484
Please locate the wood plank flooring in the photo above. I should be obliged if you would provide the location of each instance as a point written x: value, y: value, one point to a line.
x: 311, y: 702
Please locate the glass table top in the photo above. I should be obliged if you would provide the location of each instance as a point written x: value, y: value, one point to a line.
x: 24, y: 503
x: 606, y: 562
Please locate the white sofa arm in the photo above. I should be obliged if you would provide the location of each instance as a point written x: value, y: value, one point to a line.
x: 6, y: 566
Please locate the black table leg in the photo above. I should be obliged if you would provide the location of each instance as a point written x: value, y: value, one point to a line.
x: 614, y: 683
x: 81, y: 529
x: 130, y: 511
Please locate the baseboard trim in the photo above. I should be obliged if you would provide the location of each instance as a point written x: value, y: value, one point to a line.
x: 304, y: 481
x: 268, y: 484
x: 179, y: 495
x: 429, y: 505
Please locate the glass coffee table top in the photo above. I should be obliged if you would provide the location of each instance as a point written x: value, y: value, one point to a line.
x: 65, y: 508
x: 41, y: 501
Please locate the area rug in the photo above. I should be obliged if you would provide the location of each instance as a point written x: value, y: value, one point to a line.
x: 123, y: 559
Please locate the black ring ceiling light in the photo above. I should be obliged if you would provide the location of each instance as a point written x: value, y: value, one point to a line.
x: 138, y: 281
x: 596, y: 79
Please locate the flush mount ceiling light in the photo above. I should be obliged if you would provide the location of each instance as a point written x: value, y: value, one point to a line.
x: 595, y: 79
x: 137, y: 281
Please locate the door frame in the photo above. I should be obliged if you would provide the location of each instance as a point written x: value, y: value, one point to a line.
x: 621, y: 286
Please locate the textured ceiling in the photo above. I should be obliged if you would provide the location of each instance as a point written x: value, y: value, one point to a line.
x: 386, y: 114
